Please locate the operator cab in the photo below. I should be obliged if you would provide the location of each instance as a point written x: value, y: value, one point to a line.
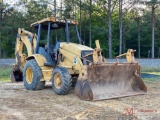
x: 52, y: 31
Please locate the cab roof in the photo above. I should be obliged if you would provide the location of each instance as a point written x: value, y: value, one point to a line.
x: 58, y: 21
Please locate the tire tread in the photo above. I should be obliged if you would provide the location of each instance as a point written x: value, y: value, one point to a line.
x: 66, y: 78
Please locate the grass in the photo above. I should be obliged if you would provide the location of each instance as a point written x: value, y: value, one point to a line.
x: 5, y: 73
x: 151, y: 80
x: 150, y: 69
x: 155, y: 71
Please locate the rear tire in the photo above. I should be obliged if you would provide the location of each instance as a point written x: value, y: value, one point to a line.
x: 32, y: 75
x: 61, y: 81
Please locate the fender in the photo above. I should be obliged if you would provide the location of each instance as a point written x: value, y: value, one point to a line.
x: 46, y: 71
x: 40, y: 59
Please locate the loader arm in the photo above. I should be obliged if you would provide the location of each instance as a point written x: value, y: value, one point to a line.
x: 102, y: 80
x: 129, y: 56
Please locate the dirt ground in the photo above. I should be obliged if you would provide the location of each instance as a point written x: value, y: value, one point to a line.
x: 17, y: 103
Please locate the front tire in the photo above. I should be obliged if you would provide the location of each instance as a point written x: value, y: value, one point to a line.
x: 32, y: 75
x: 61, y: 81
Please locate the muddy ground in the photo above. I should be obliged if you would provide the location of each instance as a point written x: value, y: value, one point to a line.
x: 17, y: 103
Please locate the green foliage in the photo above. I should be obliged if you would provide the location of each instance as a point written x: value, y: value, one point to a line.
x: 39, y: 9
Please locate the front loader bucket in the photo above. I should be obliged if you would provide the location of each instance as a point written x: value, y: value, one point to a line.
x: 109, y: 80
x: 16, y: 74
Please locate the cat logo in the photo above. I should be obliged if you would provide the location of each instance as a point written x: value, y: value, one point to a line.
x: 75, y: 61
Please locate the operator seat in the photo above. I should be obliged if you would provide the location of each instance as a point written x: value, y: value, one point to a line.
x: 48, y: 53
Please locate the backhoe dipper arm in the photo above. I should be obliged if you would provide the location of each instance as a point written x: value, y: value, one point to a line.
x: 29, y: 40
x: 24, y: 38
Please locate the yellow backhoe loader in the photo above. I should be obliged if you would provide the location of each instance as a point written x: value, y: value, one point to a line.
x: 59, y: 59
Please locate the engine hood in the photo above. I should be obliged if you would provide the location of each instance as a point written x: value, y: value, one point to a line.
x: 74, y: 48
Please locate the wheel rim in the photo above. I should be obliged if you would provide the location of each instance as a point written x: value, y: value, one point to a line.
x: 57, y: 81
x: 29, y: 75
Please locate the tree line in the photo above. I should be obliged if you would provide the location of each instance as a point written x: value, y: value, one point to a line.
x: 118, y: 24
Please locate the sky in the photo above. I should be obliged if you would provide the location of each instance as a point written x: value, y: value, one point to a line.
x: 14, y: 1
x: 21, y: 8
x: 10, y: 1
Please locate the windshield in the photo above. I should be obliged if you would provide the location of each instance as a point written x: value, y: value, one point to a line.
x: 60, y: 35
